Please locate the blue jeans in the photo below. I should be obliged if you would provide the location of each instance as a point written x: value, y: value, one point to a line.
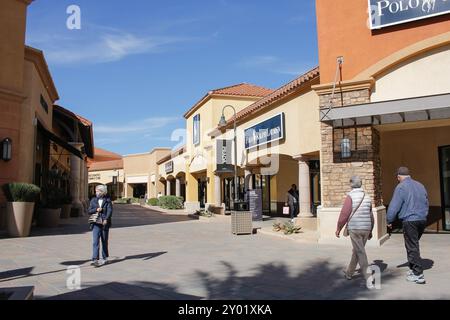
x: 100, y: 232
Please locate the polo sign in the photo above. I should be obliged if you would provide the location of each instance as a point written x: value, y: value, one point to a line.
x: 384, y: 13
x: 270, y: 130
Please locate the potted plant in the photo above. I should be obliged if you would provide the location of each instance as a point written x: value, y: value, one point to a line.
x: 66, y: 206
x: 51, y: 204
x: 19, y: 209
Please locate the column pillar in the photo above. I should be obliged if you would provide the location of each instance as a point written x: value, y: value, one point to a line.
x: 304, y: 188
x: 167, y: 187
x: 217, y: 191
x: 75, y: 167
x: 178, y: 187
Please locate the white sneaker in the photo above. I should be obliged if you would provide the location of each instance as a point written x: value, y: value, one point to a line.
x: 420, y: 279
x: 410, y: 272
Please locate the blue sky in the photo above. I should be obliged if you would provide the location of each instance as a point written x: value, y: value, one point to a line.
x: 136, y: 66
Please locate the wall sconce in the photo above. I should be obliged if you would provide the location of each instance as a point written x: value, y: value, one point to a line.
x: 346, y: 148
x: 6, y: 149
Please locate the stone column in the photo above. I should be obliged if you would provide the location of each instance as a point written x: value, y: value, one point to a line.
x: 167, y: 187
x: 304, y: 188
x: 178, y: 187
x: 217, y: 191
x: 247, y: 177
x: 75, y: 167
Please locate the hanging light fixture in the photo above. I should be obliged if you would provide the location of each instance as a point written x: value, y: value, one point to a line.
x: 6, y: 149
x: 346, y: 148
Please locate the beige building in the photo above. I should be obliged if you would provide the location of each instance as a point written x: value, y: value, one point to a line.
x: 270, y: 165
x: 141, y: 174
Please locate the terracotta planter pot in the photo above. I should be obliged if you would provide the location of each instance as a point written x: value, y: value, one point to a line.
x: 49, y: 218
x: 65, y: 211
x: 19, y: 216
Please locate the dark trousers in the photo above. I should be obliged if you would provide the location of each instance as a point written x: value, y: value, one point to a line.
x: 293, y: 210
x: 412, y: 232
x: 100, y: 232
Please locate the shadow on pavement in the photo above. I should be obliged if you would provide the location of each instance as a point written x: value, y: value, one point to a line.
x: 426, y: 263
x: 273, y: 281
x: 126, y: 291
x: 144, y: 256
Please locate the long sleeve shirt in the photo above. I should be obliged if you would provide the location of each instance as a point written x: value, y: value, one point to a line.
x: 410, y: 202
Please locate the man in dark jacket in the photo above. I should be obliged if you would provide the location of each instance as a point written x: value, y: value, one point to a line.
x: 101, y: 207
x: 410, y: 203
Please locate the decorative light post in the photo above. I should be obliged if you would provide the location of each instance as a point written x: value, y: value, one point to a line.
x: 223, y: 123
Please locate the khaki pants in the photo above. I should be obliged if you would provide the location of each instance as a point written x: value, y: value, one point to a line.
x: 359, y: 239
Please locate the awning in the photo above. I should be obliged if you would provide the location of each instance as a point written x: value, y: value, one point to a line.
x: 51, y: 136
x: 395, y: 111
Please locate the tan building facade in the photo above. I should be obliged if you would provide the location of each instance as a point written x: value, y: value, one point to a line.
x: 387, y: 111
x: 50, y: 144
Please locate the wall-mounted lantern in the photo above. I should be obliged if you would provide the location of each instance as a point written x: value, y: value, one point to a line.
x: 6, y: 147
x: 346, y: 148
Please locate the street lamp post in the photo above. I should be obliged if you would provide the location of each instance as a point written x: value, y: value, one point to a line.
x: 223, y: 123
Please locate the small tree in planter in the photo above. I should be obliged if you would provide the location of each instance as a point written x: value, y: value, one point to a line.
x: 51, y: 204
x: 66, y: 206
x: 19, y: 210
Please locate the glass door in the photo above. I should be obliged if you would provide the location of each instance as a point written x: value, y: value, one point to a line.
x: 444, y: 160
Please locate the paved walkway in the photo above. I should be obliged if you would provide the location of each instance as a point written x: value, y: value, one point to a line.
x: 158, y: 256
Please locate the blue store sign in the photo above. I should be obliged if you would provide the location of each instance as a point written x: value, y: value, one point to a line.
x: 384, y: 13
x: 264, y: 132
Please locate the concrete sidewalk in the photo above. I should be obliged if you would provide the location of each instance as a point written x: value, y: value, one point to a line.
x: 160, y: 256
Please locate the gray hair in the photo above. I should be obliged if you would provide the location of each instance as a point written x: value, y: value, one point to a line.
x: 102, y: 188
x: 356, y: 182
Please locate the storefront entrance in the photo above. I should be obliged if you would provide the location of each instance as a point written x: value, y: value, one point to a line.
x: 444, y: 161
x: 202, y: 193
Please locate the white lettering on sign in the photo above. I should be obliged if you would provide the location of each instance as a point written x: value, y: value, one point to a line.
x: 404, y: 5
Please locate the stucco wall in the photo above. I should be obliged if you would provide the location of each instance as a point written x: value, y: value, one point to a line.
x: 418, y: 150
x: 424, y: 75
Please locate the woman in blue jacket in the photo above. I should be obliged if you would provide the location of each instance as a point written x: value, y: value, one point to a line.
x: 100, y: 211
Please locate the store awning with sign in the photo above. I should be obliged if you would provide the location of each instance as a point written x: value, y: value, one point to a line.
x: 51, y: 136
x: 434, y: 107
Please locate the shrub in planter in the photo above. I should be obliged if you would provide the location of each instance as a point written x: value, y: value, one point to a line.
x: 170, y: 202
x: 21, y: 192
x: 51, y: 205
x: 19, y: 209
x: 153, y: 202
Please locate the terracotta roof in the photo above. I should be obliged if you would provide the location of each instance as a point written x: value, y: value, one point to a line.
x: 106, y: 165
x: 105, y: 155
x: 172, y: 155
x: 277, y: 95
x: 241, y: 90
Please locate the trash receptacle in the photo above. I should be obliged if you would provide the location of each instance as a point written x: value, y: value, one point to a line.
x: 241, y: 222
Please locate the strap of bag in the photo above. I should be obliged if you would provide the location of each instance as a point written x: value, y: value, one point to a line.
x: 354, y: 211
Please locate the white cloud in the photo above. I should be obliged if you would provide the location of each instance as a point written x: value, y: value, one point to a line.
x: 98, y: 44
x: 145, y: 126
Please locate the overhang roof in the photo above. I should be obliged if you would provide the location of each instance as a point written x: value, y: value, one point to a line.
x: 386, y: 112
